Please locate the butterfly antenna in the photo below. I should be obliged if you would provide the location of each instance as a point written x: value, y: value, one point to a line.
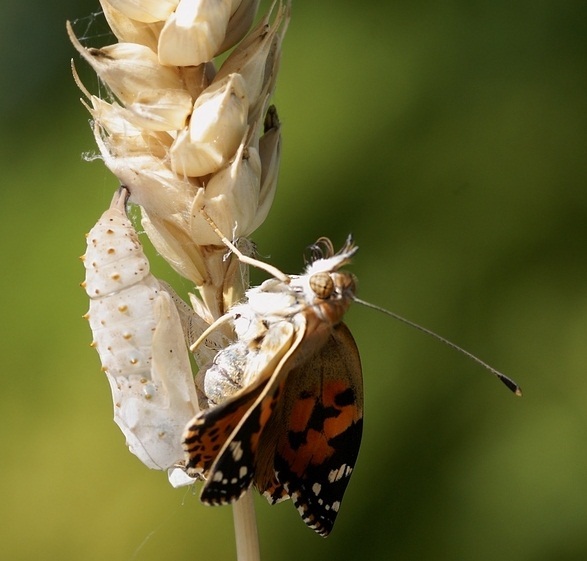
x: 509, y: 383
x: 274, y: 271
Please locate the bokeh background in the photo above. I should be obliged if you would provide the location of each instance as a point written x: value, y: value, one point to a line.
x: 450, y: 139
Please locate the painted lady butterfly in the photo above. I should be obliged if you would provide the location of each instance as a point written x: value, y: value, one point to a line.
x: 292, y: 422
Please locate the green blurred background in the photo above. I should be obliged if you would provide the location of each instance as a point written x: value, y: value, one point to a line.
x: 450, y: 139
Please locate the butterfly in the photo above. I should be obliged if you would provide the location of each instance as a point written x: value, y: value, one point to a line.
x: 286, y: 396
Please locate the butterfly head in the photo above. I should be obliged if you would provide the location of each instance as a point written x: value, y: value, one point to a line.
x: 327, y: 289
x: 324, y: 278
x: 335, y: 285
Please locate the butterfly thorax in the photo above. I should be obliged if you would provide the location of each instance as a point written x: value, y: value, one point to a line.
x: 265, y: 325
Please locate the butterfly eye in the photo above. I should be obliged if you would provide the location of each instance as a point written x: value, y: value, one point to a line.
x: 322, y: 285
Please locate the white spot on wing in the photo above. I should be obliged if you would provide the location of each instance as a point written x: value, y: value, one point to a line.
x: 339, y: 473
x: 217, y: 476
x: 237, y: 450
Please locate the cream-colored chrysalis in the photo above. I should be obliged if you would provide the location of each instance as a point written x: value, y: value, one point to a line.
x: 138, y: 334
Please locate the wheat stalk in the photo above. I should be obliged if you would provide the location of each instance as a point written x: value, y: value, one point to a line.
x: 181, y: 135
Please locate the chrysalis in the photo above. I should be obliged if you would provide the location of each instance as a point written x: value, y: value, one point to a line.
x: 139, y: 337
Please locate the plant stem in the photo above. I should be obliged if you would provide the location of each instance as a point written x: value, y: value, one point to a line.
x: 245, y: 528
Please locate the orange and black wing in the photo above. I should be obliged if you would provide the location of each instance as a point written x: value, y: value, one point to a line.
x: 317, y: 428
x: 241, y: 421
x: 209, y: 430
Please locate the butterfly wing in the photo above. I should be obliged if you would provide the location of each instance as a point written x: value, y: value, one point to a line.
x: 235, y: 467
x: 317, y: 431
x: 208, y: 431
x: 223, y: 440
